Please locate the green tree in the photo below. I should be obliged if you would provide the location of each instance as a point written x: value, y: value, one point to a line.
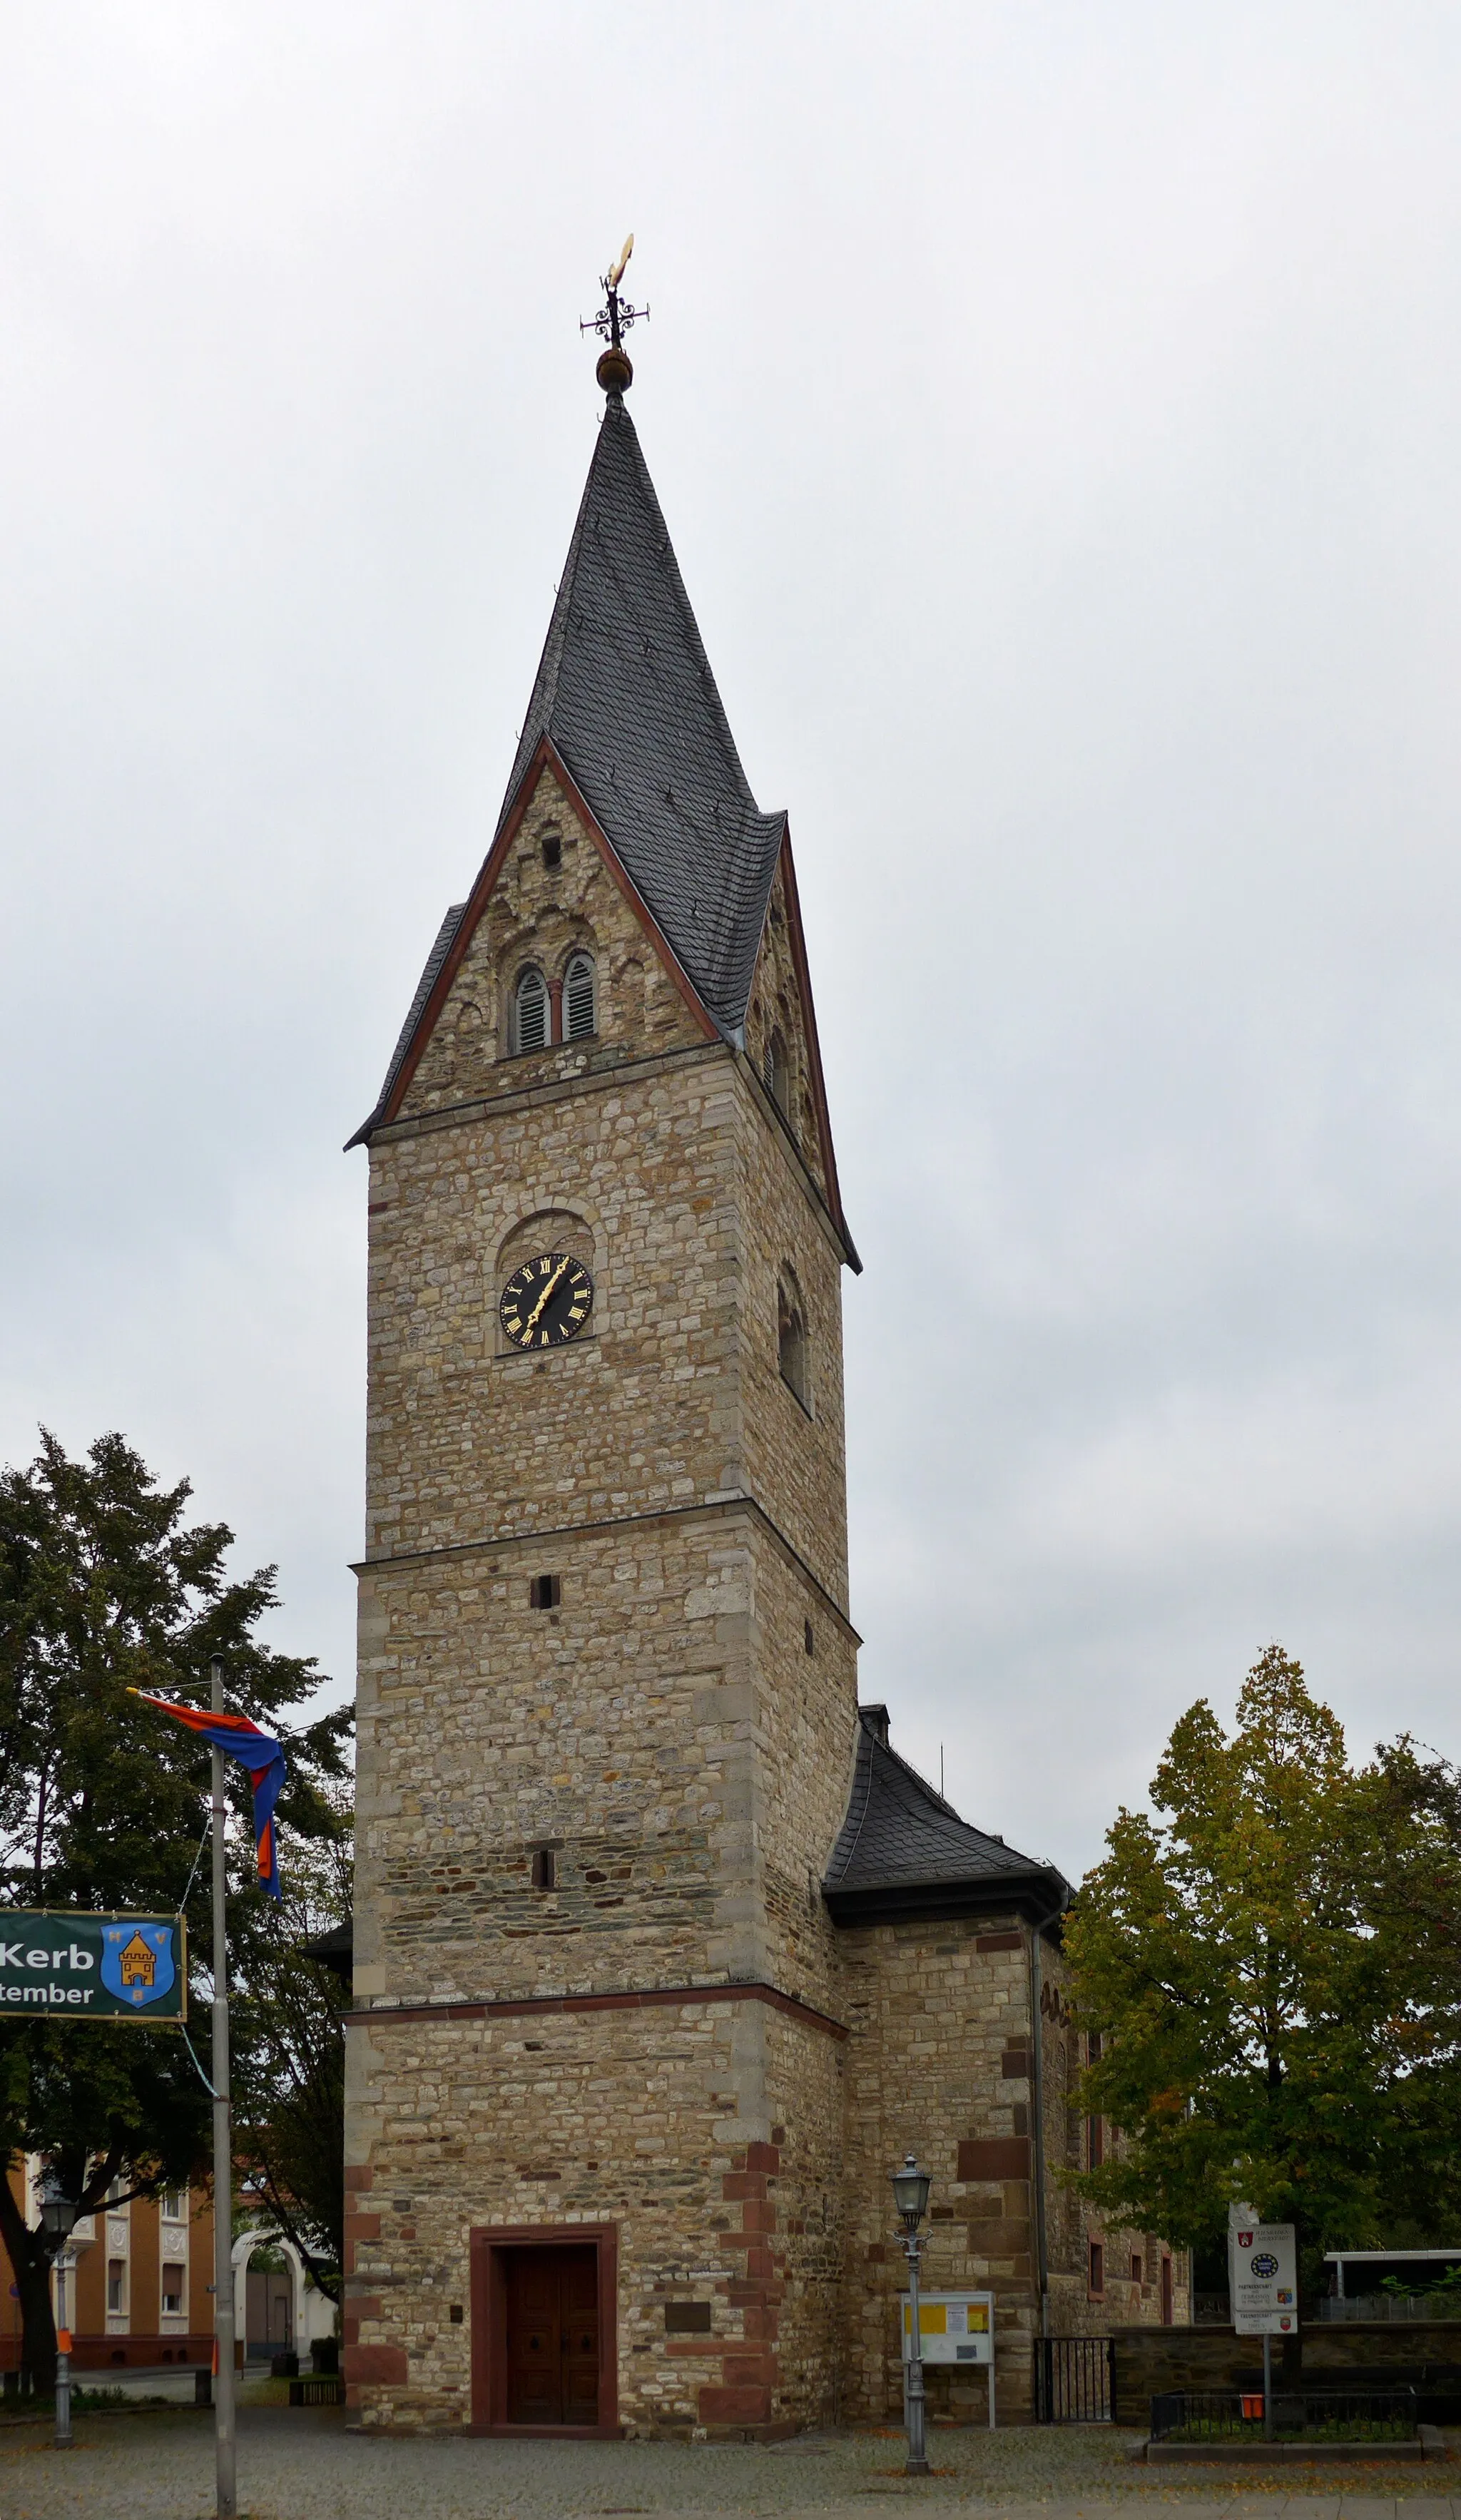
x: 1271, y: 2033
x: 104, y: 1588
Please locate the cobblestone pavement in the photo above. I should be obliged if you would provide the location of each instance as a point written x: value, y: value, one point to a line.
x: 304, y: 2466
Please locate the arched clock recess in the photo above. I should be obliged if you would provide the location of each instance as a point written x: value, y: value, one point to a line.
x: 546, y: 1293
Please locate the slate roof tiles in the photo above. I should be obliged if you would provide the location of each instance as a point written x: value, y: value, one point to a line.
x: 625, y: 695
x: 903, y: 1849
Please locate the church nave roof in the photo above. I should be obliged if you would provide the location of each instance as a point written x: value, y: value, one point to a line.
x: 902, y: 1851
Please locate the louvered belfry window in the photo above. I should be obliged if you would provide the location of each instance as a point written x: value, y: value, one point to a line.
x: 530, y: 1012
x: 578, y: 1012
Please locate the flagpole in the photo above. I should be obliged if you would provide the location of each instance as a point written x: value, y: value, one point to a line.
x: 223, y: 2303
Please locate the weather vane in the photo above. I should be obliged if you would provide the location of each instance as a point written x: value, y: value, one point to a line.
x: 616, y: 369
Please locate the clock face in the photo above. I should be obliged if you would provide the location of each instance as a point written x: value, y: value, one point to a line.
x: 547, y: 1301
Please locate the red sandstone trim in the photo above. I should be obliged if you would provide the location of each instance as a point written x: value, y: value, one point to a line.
x: 750, y: 2368
x: 487, y: 2244
x: 632, y: 2000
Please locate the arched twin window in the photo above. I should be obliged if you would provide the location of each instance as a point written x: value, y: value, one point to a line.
x: 532, y: 1026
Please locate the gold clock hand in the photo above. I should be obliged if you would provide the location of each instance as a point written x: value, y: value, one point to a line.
x: 544, y: 1297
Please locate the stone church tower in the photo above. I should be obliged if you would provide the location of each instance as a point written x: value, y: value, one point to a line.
x: 642, y: 1904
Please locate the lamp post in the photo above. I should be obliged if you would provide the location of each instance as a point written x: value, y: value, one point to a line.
x: 910, y: 2194
x: 58, y: 2214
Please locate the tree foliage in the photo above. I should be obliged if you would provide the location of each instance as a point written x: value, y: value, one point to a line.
x: 1277, y: 2025
x: 104, y: 1588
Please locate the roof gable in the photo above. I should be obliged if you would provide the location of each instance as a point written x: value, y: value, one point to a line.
x: 455, y: 935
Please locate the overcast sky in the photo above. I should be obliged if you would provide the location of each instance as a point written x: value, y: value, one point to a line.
x: 1057, y: 411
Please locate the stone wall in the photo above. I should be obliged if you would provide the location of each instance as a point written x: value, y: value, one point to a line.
x: 1153, y: 2358
x: 656, y: 2118
x: 939, y: 2062
x: 776, y: 1008
x: 938, y: 2015
x: 542, y: 914
x: 663, y: 1731
x: 676, y: 1732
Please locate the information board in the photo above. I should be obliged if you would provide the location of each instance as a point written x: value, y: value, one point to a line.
x: 952, y: 2327
x: 76, y: 1965
x: 1263, y: 2275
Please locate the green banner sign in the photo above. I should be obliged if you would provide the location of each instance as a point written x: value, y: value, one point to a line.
x: 76, y: 1965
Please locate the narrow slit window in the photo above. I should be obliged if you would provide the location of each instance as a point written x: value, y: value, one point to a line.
x: 776, y: 1070
x: 544, y: 1868
x: 1136, y: 2268
x: 579, y: 1013
x: 790, y: 1342
x: 808, y: 1639
x: 1097, y: 2268
x: 552, y: 848
x: 531, y: 1011
x: 545, y: 1592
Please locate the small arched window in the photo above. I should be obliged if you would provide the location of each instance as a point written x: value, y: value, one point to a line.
x: 776, y: 1069
x: 579, y: 1013
x: 531, y: 1011
x: 791, y: 1339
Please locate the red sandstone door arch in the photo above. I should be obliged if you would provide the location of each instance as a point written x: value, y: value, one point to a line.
x: 545, y: 2329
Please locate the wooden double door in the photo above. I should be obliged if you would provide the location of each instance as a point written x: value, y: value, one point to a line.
x: 552, y: 2307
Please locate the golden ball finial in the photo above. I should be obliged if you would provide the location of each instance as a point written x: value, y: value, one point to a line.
x: 616, y: 369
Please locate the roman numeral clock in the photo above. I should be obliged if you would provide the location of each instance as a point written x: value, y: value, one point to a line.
x: 547, y: 1301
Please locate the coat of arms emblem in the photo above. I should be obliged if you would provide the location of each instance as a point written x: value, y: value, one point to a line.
x: 137, y: 1961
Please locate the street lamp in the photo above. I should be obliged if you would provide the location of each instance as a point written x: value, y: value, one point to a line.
x: 58, y: 2214
x: 910, y: 2194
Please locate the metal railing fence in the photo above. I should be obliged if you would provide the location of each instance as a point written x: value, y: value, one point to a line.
x: 1075, y: 2379
x: 1324, y: 2414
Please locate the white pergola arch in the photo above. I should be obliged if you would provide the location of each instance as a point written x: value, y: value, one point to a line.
x: 242, y: 2250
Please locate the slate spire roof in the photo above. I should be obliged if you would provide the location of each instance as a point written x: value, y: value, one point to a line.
x: 625, y: 695
x: 903, y: 1851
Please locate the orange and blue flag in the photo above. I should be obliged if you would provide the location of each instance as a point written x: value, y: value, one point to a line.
x: 262, y: 1756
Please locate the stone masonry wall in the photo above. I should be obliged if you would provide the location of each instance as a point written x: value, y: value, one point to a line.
x: 467, y: 1441
x: 1152, y: 2359
x: 662, y: 1730
x: 937, y: 2012
x: 776, y: 1007
x: 656, y: 2119
x: 676, y: 1732
x: 939, y: 2062
x: 543, y: 915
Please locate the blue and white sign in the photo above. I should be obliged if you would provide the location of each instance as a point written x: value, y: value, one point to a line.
x: 1263, y: 2275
